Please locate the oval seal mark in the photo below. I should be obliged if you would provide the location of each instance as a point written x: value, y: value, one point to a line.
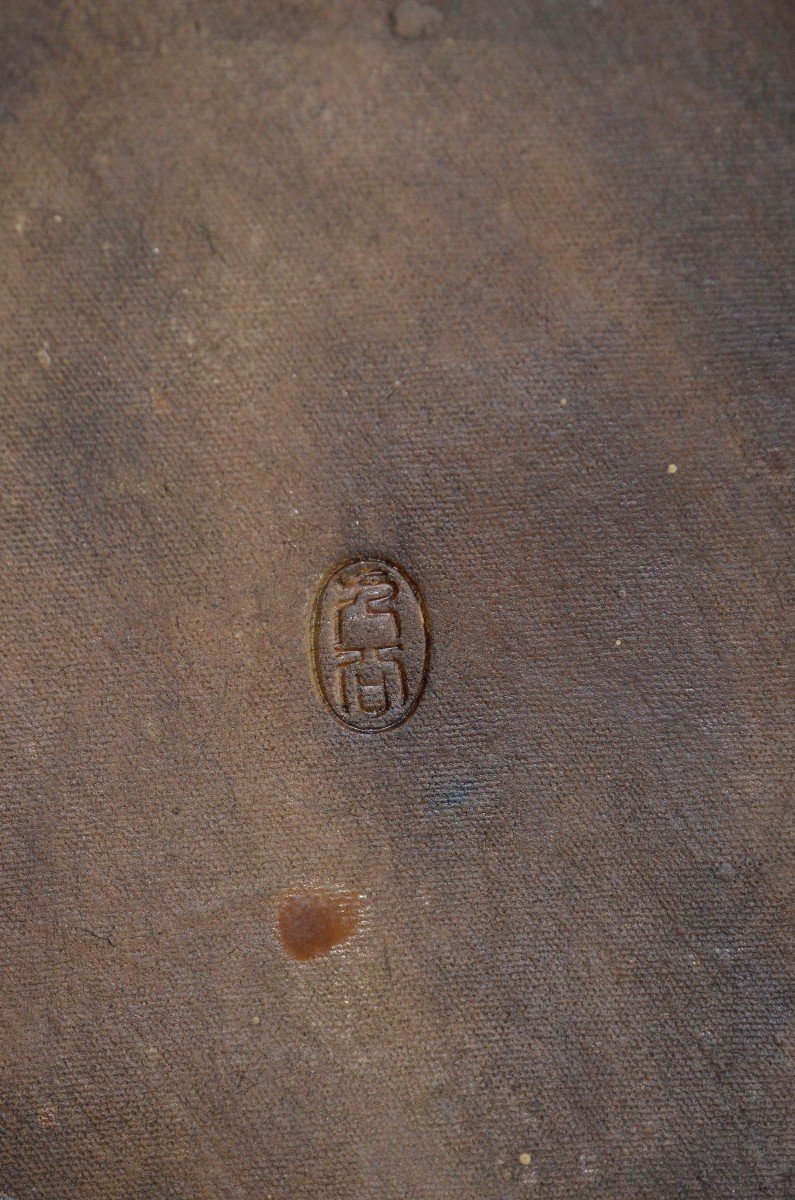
x: 370, y: 644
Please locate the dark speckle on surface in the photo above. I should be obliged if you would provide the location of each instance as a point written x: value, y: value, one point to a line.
x: 777, y: 462
x: 453, y: 795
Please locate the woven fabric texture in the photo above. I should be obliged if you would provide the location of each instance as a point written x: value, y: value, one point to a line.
x: 499, y: 293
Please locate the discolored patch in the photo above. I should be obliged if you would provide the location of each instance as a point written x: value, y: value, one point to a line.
x: 412, y: 20
x: 312, y: 922
x: 776, y: 461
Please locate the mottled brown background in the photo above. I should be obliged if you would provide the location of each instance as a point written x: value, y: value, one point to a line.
x: 280, y: 288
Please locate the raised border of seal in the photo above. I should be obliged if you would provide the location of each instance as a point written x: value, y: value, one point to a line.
x: 316, y: 648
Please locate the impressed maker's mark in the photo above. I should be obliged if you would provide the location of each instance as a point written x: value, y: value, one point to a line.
x: 370, y: 644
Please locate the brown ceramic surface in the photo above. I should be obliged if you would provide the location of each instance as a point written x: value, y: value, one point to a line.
x: 502, y: 297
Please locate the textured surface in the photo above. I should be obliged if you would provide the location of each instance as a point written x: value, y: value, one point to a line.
x: 284, y: 289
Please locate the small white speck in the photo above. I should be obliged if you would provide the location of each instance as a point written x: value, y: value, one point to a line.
x: 617, y: 642
x: 587, y: 1164
x: 672, y: 468
x: 43, y: 355
x: 155, y: 250
x: 20, y: 222
x: 525, y: 1159
x: 564, y: 401
x: 58, y: 219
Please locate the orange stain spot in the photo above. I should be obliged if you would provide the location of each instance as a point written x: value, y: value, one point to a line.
x: 312, y: 922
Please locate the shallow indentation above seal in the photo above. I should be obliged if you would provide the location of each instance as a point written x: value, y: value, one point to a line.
x: 370, y: 644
